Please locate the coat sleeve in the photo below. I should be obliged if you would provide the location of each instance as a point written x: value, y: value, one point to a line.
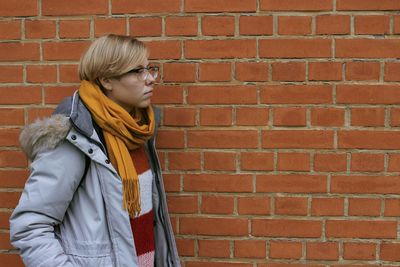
x: 55, y: 175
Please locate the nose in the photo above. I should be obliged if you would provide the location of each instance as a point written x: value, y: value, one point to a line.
x: 149, y: 79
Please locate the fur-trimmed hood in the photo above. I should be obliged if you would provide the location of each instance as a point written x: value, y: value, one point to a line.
x: 44, y: 134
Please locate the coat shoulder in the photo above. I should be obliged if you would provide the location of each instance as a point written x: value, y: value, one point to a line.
x: 44, y: 134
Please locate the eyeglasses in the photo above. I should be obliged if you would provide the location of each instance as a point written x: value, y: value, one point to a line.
x: 144, y: 72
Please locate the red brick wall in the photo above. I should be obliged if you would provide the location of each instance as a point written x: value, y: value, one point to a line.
x: 280, y: 142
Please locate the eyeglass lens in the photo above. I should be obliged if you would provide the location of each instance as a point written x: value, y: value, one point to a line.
x: 151, y: 71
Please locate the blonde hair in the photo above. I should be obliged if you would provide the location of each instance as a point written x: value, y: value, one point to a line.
x: 111, y: 56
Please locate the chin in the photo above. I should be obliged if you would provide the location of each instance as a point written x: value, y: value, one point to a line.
x: 144, y: 104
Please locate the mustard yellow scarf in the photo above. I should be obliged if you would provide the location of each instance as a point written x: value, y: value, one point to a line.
x: 122, y: 132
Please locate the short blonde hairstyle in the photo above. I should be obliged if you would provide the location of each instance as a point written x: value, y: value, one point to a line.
x: 111, y: 56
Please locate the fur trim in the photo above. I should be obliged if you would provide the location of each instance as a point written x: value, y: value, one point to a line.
x: 44, y: 134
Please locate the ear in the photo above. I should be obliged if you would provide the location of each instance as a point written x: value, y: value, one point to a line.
x: 106, y: 83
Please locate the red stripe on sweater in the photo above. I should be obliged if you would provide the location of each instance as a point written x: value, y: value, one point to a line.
x: 140, y: 160
x: 143, y: 232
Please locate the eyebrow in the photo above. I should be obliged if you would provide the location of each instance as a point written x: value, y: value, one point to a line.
x: 143, y: 66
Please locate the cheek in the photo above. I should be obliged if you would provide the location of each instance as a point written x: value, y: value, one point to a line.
x: 131, y: 92
x: 129, y: 87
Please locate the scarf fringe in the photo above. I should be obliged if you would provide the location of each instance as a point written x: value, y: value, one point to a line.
x: 131, y: 196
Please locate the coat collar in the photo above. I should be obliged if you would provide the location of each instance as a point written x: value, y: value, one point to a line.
x: 79, y: 115
x: 74, y: 108
x: 47, y: 133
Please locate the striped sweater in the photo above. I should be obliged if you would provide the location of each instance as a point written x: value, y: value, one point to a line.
x: 142, y: 224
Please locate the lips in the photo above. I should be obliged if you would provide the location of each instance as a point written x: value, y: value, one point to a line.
x: 149, y: 93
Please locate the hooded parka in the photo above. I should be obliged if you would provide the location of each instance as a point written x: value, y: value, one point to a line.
x: 70, y: 213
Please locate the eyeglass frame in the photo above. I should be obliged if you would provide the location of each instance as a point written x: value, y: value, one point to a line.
x: 148, y: 68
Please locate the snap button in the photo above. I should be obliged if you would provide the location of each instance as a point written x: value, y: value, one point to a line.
x: 107, y: 161
x: 73, y: 137
x: 90, y: 151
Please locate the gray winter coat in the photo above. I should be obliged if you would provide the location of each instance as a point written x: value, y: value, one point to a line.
x: 70, y: 212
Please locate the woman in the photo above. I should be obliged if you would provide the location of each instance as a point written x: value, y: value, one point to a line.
x: 95, y: 195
